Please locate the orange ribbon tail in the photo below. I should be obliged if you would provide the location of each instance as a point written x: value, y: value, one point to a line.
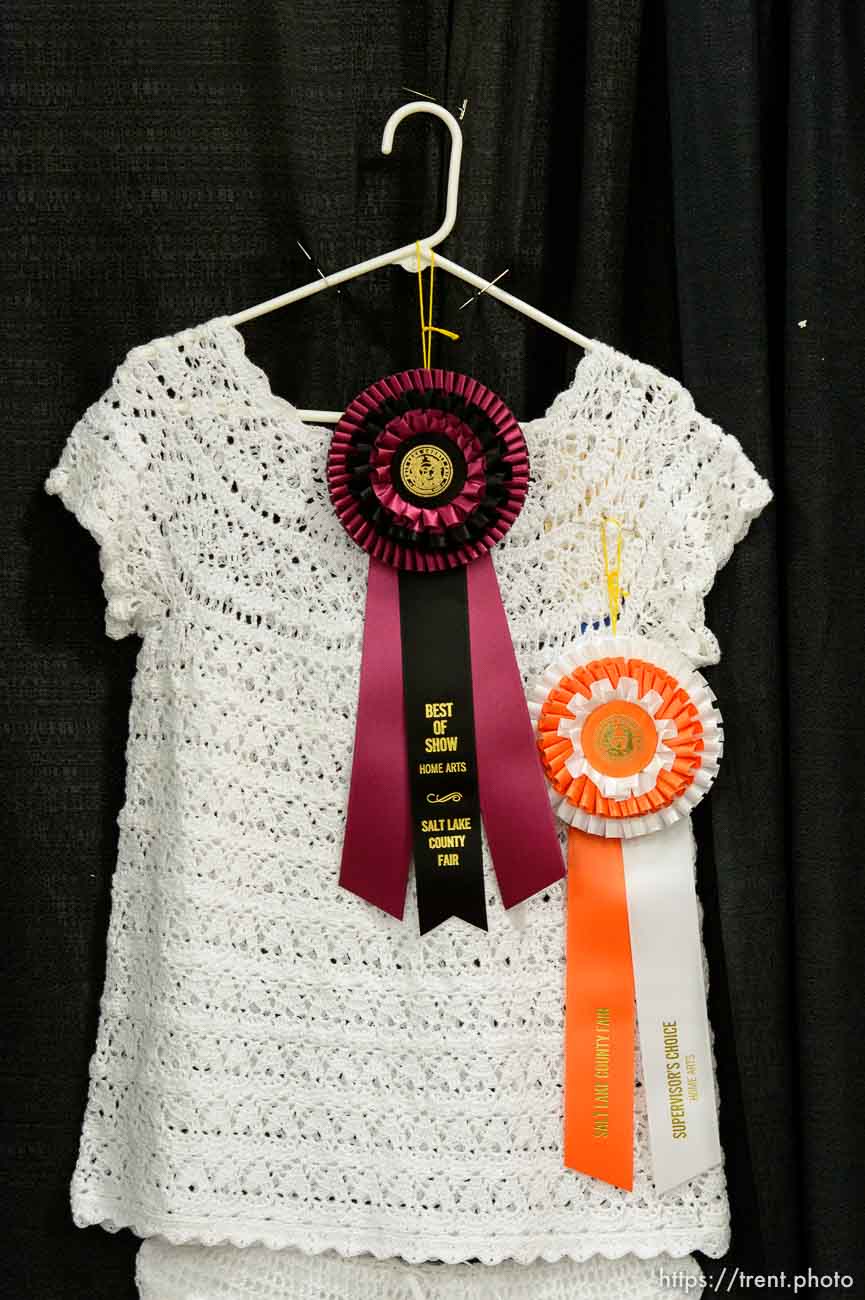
x: 599, y: 1013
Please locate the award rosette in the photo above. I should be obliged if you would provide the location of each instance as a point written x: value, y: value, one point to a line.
x: 630, y: 740
x: 427, y: 470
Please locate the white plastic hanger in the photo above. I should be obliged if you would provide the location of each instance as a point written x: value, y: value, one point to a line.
x: 407, y: 256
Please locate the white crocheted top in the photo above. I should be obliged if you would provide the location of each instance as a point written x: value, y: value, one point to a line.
x: 278, y: 1062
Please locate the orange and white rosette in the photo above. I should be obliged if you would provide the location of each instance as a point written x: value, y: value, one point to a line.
x: 630, y: 739
x: 629, y: 735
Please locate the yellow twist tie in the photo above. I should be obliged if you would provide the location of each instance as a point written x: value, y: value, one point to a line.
x: 614, y: 591
x: 427, y: 329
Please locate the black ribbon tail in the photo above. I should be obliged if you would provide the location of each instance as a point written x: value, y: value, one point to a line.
x: 440, y: 738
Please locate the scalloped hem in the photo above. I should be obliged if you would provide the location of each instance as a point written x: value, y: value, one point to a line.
x: 350, y: 1243
x: 166, y: 1272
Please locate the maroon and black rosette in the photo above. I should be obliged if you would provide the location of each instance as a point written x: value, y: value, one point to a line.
x: 427, y: 470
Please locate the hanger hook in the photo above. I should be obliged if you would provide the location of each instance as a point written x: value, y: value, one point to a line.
x: 390, y: 126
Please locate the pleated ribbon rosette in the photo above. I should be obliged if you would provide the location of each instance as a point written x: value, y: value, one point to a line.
x: 630, y: 740
x: 427, y: 471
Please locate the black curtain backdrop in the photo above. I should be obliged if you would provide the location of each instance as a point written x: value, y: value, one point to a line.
x: 685, y: 181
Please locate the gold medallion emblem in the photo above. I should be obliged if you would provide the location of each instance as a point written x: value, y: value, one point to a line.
x: 426, y: 471
x: 618, y: 736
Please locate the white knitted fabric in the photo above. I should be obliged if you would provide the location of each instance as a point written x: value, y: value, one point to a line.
x: 278, y: 1062
x: 167, y: 1272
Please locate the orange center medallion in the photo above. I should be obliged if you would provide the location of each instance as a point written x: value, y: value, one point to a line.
x: 619, y: 738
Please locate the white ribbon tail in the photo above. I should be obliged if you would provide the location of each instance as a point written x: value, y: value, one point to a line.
x: 671, y: 1004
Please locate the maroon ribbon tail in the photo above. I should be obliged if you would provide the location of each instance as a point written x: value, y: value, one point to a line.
x: 517, y: 814
x: 377, y: 845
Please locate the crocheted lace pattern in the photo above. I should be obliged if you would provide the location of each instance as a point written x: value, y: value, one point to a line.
x: 277, y: 1061
x: 166, y: 1272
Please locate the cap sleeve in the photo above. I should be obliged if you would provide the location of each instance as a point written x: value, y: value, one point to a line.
x: 107, y: 476
x: 709, y: 492
x: 727, y: 491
